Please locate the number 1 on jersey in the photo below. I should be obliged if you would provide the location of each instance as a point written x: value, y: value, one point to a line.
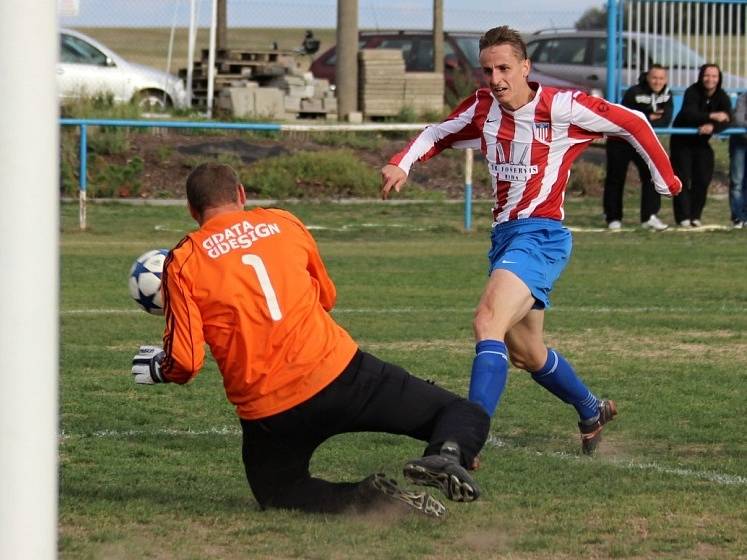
x: 255, y: 261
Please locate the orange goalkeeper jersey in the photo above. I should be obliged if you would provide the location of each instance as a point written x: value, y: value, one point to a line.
x: 253, y: 286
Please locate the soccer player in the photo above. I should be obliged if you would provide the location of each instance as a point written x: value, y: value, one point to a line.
x: 251, y: 283
x: 530, y: 137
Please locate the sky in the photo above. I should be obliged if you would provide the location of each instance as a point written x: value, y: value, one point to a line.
x: 467, y: 15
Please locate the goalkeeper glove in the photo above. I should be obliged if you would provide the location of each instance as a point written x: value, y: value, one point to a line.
x: 146, y: 365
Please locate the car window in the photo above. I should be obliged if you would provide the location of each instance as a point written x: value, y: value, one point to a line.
x: 599, y: 57
x: 571, y: 50
x: 405, y: 44
x: 470, y: 46
x: 532, y: 49
x: 77, y: 51
x: 331, y: 60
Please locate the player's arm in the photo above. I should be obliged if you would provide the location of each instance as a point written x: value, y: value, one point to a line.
x: 598, y: 115
x: 183, y: 340
x: 459, y: 130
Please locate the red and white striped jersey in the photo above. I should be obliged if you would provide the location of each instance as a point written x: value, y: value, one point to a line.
x: 530, y: 151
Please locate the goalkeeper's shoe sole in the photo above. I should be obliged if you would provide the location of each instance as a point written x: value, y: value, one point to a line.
x: 591, y: 435
x: 419, y: 502
x: 445, y: 474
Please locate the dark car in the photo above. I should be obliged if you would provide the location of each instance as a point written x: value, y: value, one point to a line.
x: 462, y: 71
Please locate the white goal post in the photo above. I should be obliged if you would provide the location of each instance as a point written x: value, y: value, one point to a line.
x: 29, y: 286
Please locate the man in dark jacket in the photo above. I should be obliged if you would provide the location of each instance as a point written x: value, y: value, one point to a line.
x: 707, y: 107
x: 651, y: 96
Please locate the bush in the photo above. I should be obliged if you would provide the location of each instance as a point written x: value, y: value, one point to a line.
x: 111, y: 180
x: 587, y: 179
x: 330, y: 174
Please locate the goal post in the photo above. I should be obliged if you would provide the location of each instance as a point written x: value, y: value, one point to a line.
x: 29, y: 285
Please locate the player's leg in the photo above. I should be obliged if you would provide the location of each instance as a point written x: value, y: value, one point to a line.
x: 547, y: 366
x: 614, y: 181
x: 391, y: 400
x: 505, y: 301
x: 394, y: 401
x: 551, y: 370
x: 277, y: 450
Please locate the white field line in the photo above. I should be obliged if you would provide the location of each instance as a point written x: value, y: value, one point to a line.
x: 493, y: 442
x: 724, y: 309
x: 710, y: 476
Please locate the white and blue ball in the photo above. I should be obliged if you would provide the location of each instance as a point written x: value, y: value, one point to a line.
x: 145, y: 280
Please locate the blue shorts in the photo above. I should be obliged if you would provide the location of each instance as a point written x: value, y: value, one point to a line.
x: 535, y: 249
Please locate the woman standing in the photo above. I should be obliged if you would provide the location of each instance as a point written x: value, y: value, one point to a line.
x: 706, y: 107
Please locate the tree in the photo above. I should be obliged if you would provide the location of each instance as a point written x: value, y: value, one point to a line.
x: 593, y: 18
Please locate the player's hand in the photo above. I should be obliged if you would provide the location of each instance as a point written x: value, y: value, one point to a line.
x: 705, y: 128
x: 146, y: 365
x: 392, y: 177
x: 676, y: 187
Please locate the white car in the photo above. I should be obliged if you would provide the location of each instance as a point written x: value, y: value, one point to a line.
x: 88, y: 68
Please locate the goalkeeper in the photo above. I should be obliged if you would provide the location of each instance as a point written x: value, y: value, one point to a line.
x: 253, y: 286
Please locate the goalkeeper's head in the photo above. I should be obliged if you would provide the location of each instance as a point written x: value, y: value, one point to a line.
x: 213, y: 188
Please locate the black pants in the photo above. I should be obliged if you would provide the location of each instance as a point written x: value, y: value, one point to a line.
x: 693, y: 164
x: 369, y: 396
x: 619, y: 155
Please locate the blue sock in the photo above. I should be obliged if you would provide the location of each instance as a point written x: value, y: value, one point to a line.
x: 489, y: 372
x: 558, y: 377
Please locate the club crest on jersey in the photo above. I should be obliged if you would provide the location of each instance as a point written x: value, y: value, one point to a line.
x: 542, y: 131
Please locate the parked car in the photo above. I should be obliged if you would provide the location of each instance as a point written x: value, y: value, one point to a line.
x: 88, y: 68
x: 462, y: 71
x: 581, y: 57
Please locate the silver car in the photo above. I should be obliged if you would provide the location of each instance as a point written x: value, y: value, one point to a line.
x: 581, y: 57
x: 88, y: 68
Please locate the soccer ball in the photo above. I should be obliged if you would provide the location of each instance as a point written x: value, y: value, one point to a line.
x: 145, y: 280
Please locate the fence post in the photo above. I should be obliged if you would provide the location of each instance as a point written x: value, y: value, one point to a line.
x: 83, y: 176
x: 611, y: 50
x: 468, y: 159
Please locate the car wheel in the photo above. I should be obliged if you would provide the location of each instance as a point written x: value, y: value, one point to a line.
x: 153, y: 100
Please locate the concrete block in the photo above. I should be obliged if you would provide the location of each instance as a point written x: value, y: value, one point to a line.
x: 312, y: 105
x: 292, y: 103
x: 269, y: 103
x: 241, y: 101
x: 355, y: 117
x: 329, y: 104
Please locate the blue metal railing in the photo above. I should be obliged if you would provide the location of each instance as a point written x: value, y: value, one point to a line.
x: 83, y: 125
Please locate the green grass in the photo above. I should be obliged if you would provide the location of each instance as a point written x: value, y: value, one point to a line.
x: 656, y: 321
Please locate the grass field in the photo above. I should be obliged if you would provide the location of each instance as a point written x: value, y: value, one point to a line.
x: 655, y: 321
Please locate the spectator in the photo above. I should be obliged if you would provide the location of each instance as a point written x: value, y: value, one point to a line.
x: 707, y: 107
x: 737, y: 164
x: 651, y: 96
